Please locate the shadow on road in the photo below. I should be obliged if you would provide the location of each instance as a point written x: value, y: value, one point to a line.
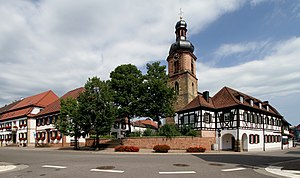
x: 247, y: 160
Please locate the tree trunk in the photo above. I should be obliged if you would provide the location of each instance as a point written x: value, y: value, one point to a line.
x: 129, y: 125
x: 97, y: 141
x: 76, y: 142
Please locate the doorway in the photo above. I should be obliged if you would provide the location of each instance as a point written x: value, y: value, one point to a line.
x: 14, y: 137
x: 228, y: 142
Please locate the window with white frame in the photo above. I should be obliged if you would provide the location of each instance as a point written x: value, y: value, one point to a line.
x: 207, y: 118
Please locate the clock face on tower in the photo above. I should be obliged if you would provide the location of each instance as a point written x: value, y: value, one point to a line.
x: 176, y: 56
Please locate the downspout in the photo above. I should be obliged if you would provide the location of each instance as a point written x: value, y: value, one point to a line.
x: 264, y: 138
x: 238, y: 130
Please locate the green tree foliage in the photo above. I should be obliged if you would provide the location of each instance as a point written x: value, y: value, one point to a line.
x: 188, y: 131
x: 69, y: 121
x: 126, y: 81
x: 149, y: 132
x: 97, y: 108
x: 157, y: 98
x: 169, y: 130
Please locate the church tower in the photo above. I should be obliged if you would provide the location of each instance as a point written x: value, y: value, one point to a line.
x: 182, y: 67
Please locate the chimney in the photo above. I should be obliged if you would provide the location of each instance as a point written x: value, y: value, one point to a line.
x: 206, y: 95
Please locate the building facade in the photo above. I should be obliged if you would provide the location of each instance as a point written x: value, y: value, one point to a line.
x: 17, y: 122
x: 240, y: 122
x: 46, y: 133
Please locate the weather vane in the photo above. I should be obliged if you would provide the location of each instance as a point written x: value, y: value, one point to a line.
x: 180, y: 13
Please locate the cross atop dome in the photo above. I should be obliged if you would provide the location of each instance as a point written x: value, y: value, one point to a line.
x: 180, y: 14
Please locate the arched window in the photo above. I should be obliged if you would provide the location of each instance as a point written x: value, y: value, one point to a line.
x: 176, y: 66
x: 192, y: 67
x: 177, y: 88
x: 193, y: 90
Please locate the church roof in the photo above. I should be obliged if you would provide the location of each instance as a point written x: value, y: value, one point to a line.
x: 55, y: 106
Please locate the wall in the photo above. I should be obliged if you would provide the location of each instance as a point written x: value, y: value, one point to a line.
x: 179, y: 143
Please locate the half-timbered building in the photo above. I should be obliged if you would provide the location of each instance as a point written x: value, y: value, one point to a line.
x: 239, y: 121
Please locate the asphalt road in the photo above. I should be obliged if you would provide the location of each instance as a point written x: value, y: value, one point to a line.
x: 58, y: 163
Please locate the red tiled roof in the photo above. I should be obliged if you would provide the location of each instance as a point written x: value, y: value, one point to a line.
x: 8, y: 107
x: 17, y: 113
x: 199, y: 101
x: 55, y: 106
x: 146, y: 124
x: 41, y: 100
x: 25, y: 106
x: 228, y: 97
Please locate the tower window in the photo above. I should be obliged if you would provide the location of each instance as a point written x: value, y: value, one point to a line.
x: 192, y: 67
x: 177, y: 87
x: 193, y: 90
x: 176, y: 66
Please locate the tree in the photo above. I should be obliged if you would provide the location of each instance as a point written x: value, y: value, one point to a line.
x: 69, y: 121
x: 97, y: 107
x: 158, y: 98
x: 126, y: 81
x: 169, y: 130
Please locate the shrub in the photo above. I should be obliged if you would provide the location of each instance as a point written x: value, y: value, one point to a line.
x: 127, y: 149
x: 195, y: 149
x: 188, y: 131
x: 134, y: 134
x: 148, y: 132
x: 161, y: 148
x: 169, y: 130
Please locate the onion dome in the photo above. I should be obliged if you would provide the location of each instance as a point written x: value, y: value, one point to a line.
x: 181, y: 42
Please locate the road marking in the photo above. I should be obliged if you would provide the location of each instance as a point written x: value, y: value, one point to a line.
x: 106, y: 170
x: 7, y: 167
x: 285, y: 173
x: 178, y: 172
x: 233, y: 169
x: 57, y: 167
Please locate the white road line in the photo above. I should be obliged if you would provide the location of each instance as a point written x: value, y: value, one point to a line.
x: 277, y: 171
x: 106, y: 170
x: 7, y: 167
x: 178, y: 172
x: 233, y: 169
x: 57, y: 167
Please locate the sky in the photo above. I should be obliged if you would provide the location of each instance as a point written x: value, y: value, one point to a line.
x: 249, y: 45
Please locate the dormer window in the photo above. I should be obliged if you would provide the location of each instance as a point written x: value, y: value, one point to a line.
x: 251, y: 102
x: 241, y: 99
x: 259, y: 105
x: 267, y: 107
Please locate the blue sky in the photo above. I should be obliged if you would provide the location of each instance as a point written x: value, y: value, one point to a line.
x: 250, y: 45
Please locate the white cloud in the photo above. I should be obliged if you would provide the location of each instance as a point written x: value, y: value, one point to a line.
x: 58, y: 44
x: 276, y: 74
x: 232, y: 49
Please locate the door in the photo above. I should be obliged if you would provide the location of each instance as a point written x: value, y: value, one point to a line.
x: 14, y: 137
x: 232, y: 143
